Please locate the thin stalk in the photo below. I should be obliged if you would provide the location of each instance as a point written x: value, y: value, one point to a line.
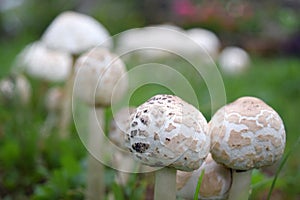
x: 240, y: 186
x: 165, y: 184
x: 95, y: 176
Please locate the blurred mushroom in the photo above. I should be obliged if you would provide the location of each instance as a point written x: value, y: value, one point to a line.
x: 97, y: 74
x: 215, y: 183
x: 206, y: 39
x: 15, y: 89
x: 167, y: 132
x: 118, y: 128
x: 75, y: 33
x: 246, y: 134
x: 234, y: 60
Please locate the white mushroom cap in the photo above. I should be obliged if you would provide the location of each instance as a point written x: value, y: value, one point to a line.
x: 206, y: 39
x: 75, y: 33
x: 40, y: 62
x: 54, y: 99
x: 215, y: 183
x: 100, y: 74
x: 119, y: 127
x: 16, y: 87
x: 247, y: 134
x: 234, y: 60
x: 167, y: 131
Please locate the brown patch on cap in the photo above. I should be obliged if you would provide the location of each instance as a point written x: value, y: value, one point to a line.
x: 170, y: 128
x: 209, y: 180
x: 237, y: 141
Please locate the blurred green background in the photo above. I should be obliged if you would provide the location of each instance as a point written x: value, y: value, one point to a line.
x: 34, y: 167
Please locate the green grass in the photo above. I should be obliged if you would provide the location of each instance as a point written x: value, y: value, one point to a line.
x: 36, y: 167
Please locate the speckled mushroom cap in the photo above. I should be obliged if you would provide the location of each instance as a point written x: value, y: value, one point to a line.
x: 40, y: 62
x: 247, y: 134
x: 75, y: 33
x: 97, y: 74
x: 119, y: 127
x: 215, y: 183
x: 167, y: 131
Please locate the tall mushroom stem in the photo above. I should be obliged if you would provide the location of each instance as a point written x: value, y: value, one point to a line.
x: 95, y: 184
x: 240, y: 186
x: 165, y: 184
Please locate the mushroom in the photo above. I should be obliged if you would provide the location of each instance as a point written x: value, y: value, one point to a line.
x: 46, y: 64
x: 215, y: 183
x: 15, y: 88
x: 246, y: 134
x: 234, y: 60
x: 75, y: 33
x: 166, y: 131
x: 206, y: 39
x: 118, y: 128
x: 97, y: 74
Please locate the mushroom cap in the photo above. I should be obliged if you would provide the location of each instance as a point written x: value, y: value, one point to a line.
x: 119, y: 126
x: 17, y: 87
x: 206, y: 39
x: 100, y: 74
x: 234, y: 60
x: 167, y: 131
x: 75, y: 33
x: 215, y: 183
x: 40, y: 62
x: 247, y: 134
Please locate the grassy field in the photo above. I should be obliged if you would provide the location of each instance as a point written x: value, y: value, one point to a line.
x: 37, y: 167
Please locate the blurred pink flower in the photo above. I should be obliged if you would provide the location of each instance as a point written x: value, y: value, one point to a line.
x: 184, y: 7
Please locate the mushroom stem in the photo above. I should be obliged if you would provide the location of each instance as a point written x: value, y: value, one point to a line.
x: 66, y: 112
x: 240, y: 186
x: 165, y: 184
x: 95, y: 176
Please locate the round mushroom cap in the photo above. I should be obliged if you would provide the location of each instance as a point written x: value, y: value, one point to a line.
x: 40, y: 62
x: 206, y: 39
x: 234, y: 60
x: 15, y: 87
x: 167, y: 131
x: 75, y: 33
x: 215, y: 183
x: 247, y: 134
x: 119, y: 127
x: 100, y: 75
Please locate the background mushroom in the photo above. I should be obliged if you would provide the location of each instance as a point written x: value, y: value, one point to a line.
x: 234, y: 60
x: 246, y: 134
x: 97, y: 73
x: 165, y: 131
x: 215, y: 183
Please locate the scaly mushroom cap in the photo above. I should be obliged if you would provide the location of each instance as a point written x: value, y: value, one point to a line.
x: 119, y: 127
x: 247, y: 134
x: 40, y: 62
x: 75, y: 33
x: 167, y: 131
x: 215, y: 183
x: 102, y: 70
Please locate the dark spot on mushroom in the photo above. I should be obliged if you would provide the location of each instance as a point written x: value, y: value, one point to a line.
x: 140, y: 147
x: 134, y: 124
x: 267, y: 149
x: 130, y: 150
x: 157, y: 150
x: 133, y: 133
x: 169, y: 101
x: 185, y: 158
x: 168, y: 139
x: 144, y: 121
x: 145, y: 111
x: 156, y: 137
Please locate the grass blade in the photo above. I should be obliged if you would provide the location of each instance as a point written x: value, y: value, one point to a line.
x: 198, y: 185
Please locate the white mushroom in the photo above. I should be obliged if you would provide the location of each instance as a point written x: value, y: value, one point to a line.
x: 234, y: 60
x: 75, y: 33
x: 40, y: 62
x: 102, y: 70
x: 167, y: 131
x: 206, y: 39
x: 118, y: 128
x: 215, y: 183
x: 15, y: 88
x: 246, y: 134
